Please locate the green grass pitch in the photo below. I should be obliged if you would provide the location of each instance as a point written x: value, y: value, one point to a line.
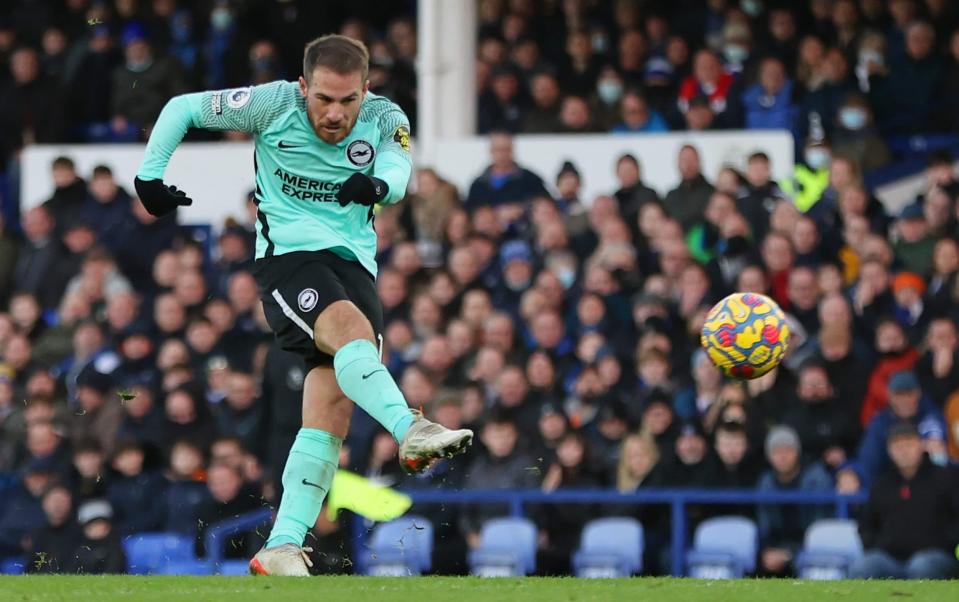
x: 463, y: 589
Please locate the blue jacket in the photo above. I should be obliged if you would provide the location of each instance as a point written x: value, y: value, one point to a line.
x: 873, y: 457
x: 761, y: 114
x: 517, y: 187
x: 655, y: 123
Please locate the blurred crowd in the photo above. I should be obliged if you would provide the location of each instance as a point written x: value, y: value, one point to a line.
x: 850, y: 70
x: 140, y: 389
x: 101, y: 71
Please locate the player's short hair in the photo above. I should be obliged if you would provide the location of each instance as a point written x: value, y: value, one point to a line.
x: 338, y: 53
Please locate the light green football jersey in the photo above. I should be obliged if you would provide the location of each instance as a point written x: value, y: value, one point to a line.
x: 297, y: 174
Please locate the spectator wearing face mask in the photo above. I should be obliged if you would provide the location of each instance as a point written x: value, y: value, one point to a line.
x: 810, y: 178
x: 855, y: 135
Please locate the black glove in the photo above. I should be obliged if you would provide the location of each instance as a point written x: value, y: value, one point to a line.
x: 362, y: 189
x: 158, y: 198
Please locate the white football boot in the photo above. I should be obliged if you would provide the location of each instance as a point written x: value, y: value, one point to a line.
x: 427, y: 441
x: 287, y: 560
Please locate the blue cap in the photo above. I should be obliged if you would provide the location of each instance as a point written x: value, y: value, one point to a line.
x: 912, y: 211
x: 902, y: 382
x: 516, y: 250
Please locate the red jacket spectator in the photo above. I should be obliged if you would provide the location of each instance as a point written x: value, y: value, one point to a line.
x: 877, y: 392
x: 709, y: 79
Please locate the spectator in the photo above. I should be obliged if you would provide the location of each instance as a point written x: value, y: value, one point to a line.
x: 709, y: 79
x: 582, y: 65
x: 782, y: 528
x: 99, y: 551
x: 89, y: 476
x: 29, y: 106
x: 230, y: 497
x: 736, y: 467
x: 107, y: 207
x: 637, y: 116
x: 240, y: 414
x: 896, y: 355
x: 760, y: 195
x: 69, y: 197
x: 911, y: 520
x: 187, y: 490
x: 504, y: 184
x: 821, y: 418
x: 186, y: 419
x: 575, y: 116
x: 686, y: 202
x: 543, y: 116
x: 134, y: 108
x: 570, y: 470
x: 855, y: 135
x: 23, y: 509
x: 906, y: 404
x: 769, y: 104
x: 98, y: 413
x: 503, y: 466
x: 938, y: 368
x: 99, y: 57
x: 914, y: 246
x: 136, y: 493
x: 904, y: 98
x: 633, y: 193
x: 500, y: 106
x: 688, y: 465
x: 50, y: 546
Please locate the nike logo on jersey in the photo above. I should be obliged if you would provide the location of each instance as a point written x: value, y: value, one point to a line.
x: 366, y: 376
x: 284, y: 145
x: 305, y: 482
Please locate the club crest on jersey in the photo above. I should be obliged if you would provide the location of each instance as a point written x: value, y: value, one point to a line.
x: 238, y: 98
x: 360, y: 153
x: 402, y: 137
x: 307, y: 299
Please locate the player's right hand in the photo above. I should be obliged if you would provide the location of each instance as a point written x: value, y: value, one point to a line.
x: 158, y: 198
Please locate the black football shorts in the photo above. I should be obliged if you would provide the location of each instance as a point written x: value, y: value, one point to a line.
x: 296, y: 287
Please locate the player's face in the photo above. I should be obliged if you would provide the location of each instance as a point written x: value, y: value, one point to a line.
x: 333, y: 102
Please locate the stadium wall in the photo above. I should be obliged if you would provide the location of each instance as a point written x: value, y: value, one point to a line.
x: 218, y: 175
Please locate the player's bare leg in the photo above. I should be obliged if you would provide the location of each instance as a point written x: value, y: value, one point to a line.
x: 308, y: 475
x: 345, y: 333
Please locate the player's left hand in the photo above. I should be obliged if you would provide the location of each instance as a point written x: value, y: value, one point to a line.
x: 362, y: 189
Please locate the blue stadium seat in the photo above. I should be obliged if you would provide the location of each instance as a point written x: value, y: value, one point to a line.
x: 233, y: 568
x: 830, y: 546
x: 14, y: 565
x: 401, y: 547
x: 724, y: 547
x: 185, y: 567
x: 507, y: 549
x: 610, y: 547
x: 151, y: 552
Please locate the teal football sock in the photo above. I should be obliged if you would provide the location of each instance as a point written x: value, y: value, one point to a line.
x: 366, y: 381
x: 306, y: 481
